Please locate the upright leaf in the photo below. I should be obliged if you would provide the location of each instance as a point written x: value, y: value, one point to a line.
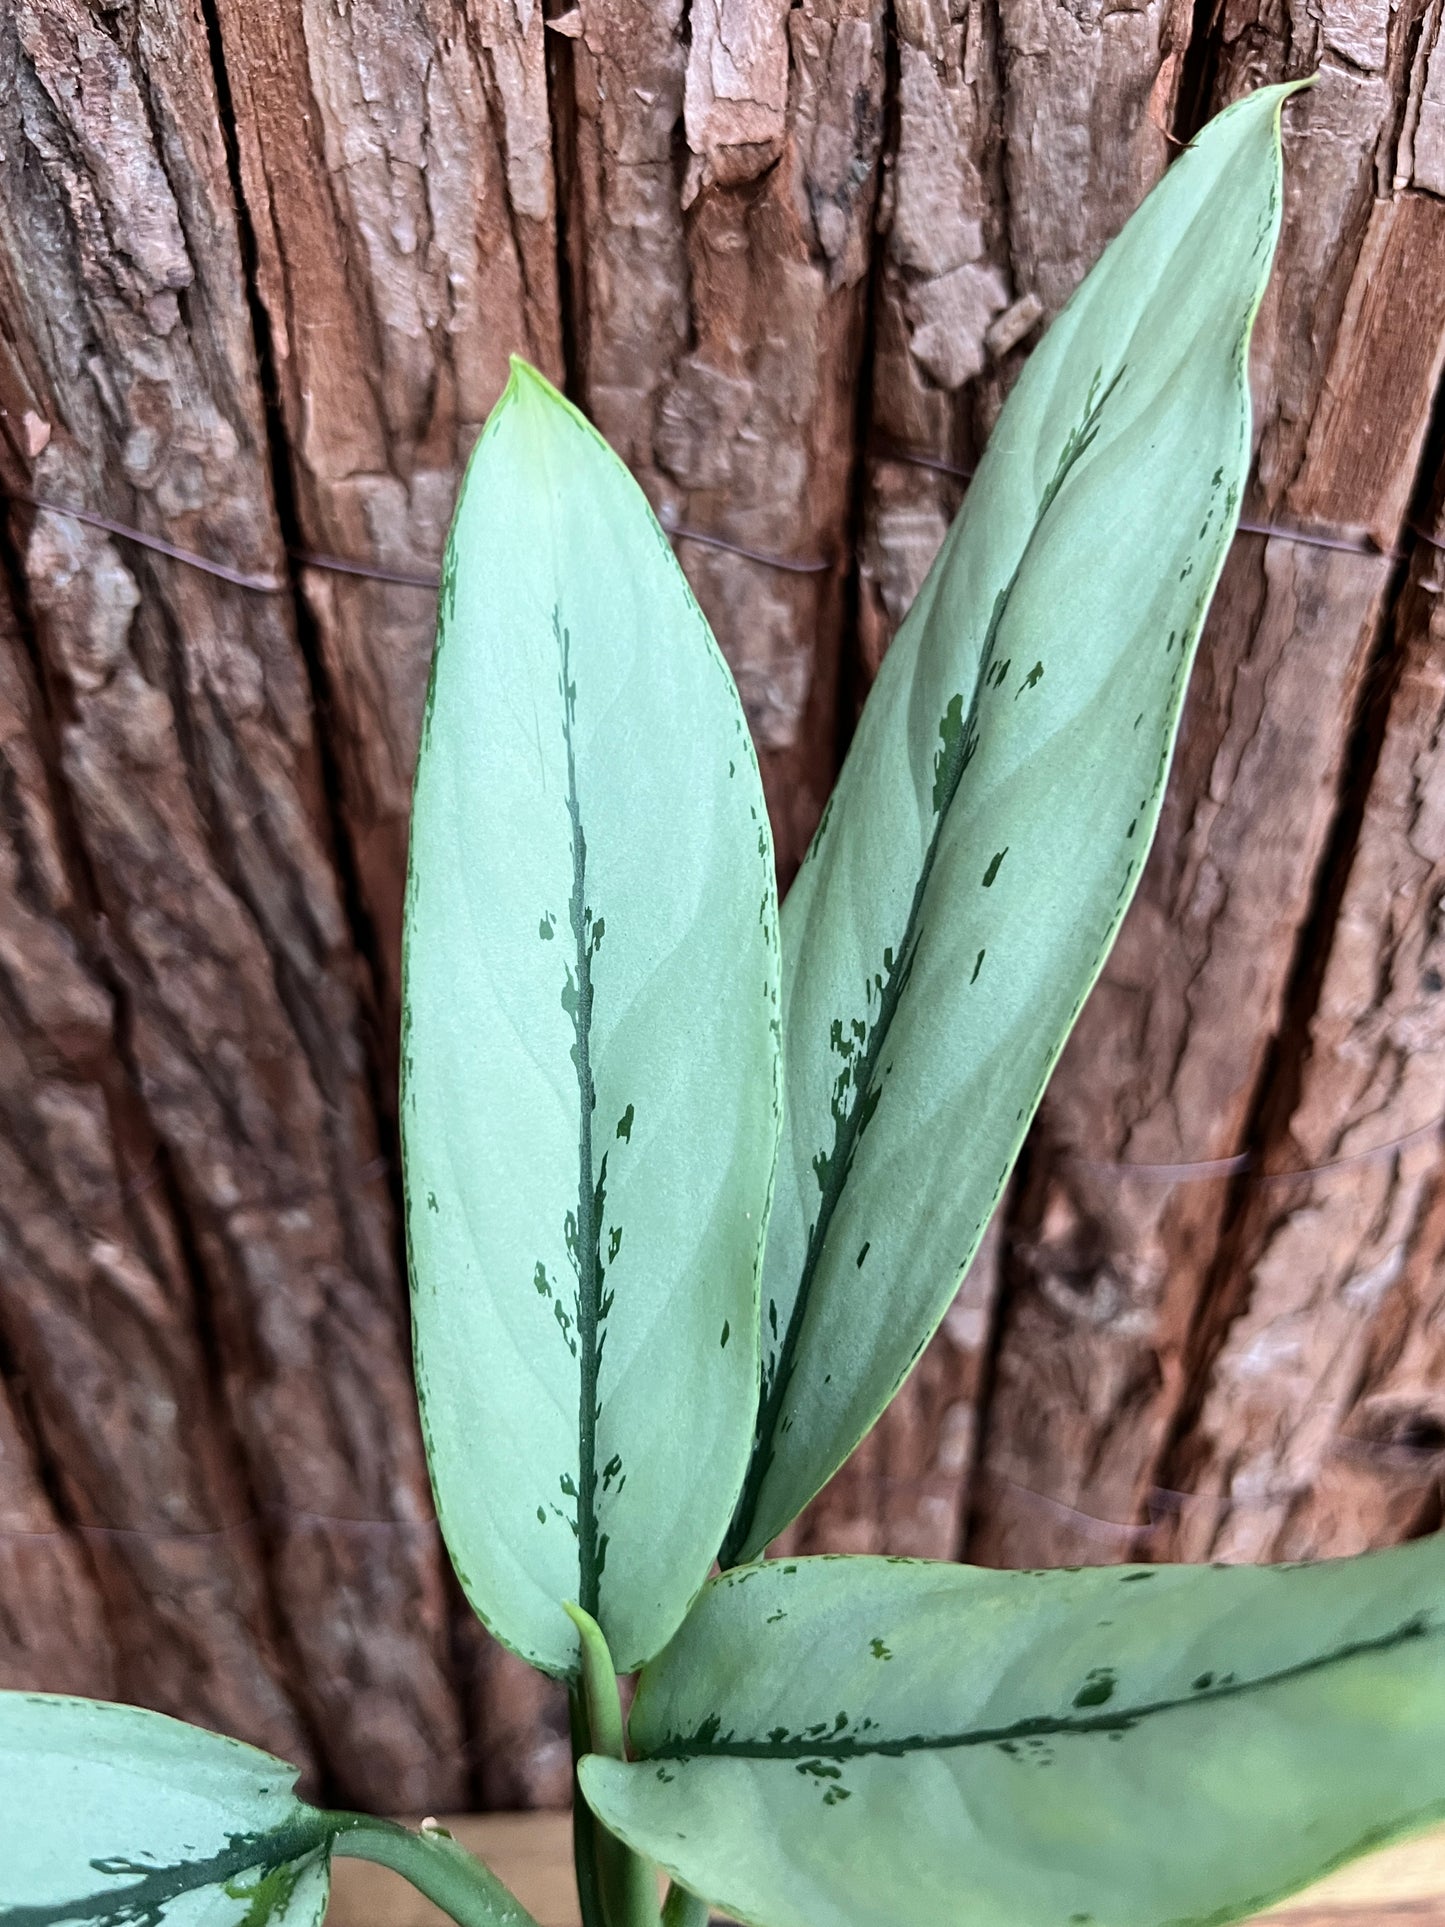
x: 113, y: 1817
x: 855, y: 1741
x: 590, y: 1078
x: 998, y: 801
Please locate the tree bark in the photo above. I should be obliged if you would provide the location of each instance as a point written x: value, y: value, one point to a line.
x: 183, y: 715
x: 1315, y: 1421
x: 261, y: 270
x: 98, y: 1322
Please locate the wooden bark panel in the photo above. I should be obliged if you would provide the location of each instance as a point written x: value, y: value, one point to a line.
x: 187, y: 749
x: 396, y: 169
x: 1110, y: 1263
x: 524, y: 1748
x: 97, y: 1315
x: 1114, y: 1265
x: 719, y: 199
x: 52, y: 1630
x: 905, y: 1491
x: 1382, y: 1477
x: 1321, y: 1428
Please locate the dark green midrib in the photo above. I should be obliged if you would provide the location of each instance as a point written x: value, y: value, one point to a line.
x: 1042, y: 1726
x: 143, y: 1899
x: 434, y: 1864
x: 589, y: 1286
x: 849, y: 1130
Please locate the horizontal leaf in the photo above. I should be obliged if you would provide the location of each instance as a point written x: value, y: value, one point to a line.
x: 997, y: 803
x: 123, y: 1818
x: 590, y: 1083
x: 869, y: 1740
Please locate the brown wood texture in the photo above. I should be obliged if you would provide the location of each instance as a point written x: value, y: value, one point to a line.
x: 261, y: 269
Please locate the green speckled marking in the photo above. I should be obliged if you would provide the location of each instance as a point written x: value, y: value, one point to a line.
x: 859, y: 1087
x: 149, y: 1890
x: 819, y: 1742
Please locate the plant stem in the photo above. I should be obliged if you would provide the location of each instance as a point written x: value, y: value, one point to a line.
x: 600, y: 1697
x: 682, y: 1909
x: 584, y: 1824
x: 436, y: 1866
x: 629, y: 1884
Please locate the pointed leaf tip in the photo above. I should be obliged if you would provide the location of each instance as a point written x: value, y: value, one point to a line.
x: 527, y: 381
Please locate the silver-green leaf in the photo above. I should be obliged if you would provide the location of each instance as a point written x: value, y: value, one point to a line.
x: 997, y: 803
x: 843, y: 1742
x: 114, y: 1817
x: 590, y: 1077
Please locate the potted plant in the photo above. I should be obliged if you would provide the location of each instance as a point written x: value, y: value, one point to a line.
x: 686, y: 1200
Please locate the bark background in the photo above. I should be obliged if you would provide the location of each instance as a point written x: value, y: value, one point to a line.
x: 261, y: 267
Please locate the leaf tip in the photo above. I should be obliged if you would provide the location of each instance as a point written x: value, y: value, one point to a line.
x: 529, y: 388
x: 523, y: 377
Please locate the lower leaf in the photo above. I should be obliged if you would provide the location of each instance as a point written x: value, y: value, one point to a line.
x: 123, y: 1818
x: 114, y: 1817
x: 865, y: 1740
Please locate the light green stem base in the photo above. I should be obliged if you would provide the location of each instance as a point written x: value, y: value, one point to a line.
x: 627, y: 1882
x: 436, y: 1866
x: 682, y: 1909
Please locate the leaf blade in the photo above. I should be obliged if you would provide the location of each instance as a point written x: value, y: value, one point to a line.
x: 113, y: 1815
x: 1094, y: 1757
x: 994, y: 812
x: 590, y: 1061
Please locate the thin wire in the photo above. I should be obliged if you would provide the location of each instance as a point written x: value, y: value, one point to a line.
x: 263, y: 584
x: 1200, y: 1170
x: 915, y: 458
x: 1309, y: 538
x: 1083, y: 1522
x: 1347, y: 544
x: 1164, y: 1503
x: 819, y: 565
x: 1159, y: 1499
x: 343, y: 565
x: 339, y: 565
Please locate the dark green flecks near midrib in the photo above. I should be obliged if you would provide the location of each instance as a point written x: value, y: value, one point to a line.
x: 584, y: 1226
x: 276, y: 1859
x: 1098, y: 1688
x: 825, y: 1741
x: 859, y: 1084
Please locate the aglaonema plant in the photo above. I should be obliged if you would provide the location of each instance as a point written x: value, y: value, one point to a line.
x: 685, y: 1202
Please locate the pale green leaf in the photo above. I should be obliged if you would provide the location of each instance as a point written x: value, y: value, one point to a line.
x: 865, y: 1741
x: 590, y: 1052
x: 122, y: 1818
x: 997, y: 803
